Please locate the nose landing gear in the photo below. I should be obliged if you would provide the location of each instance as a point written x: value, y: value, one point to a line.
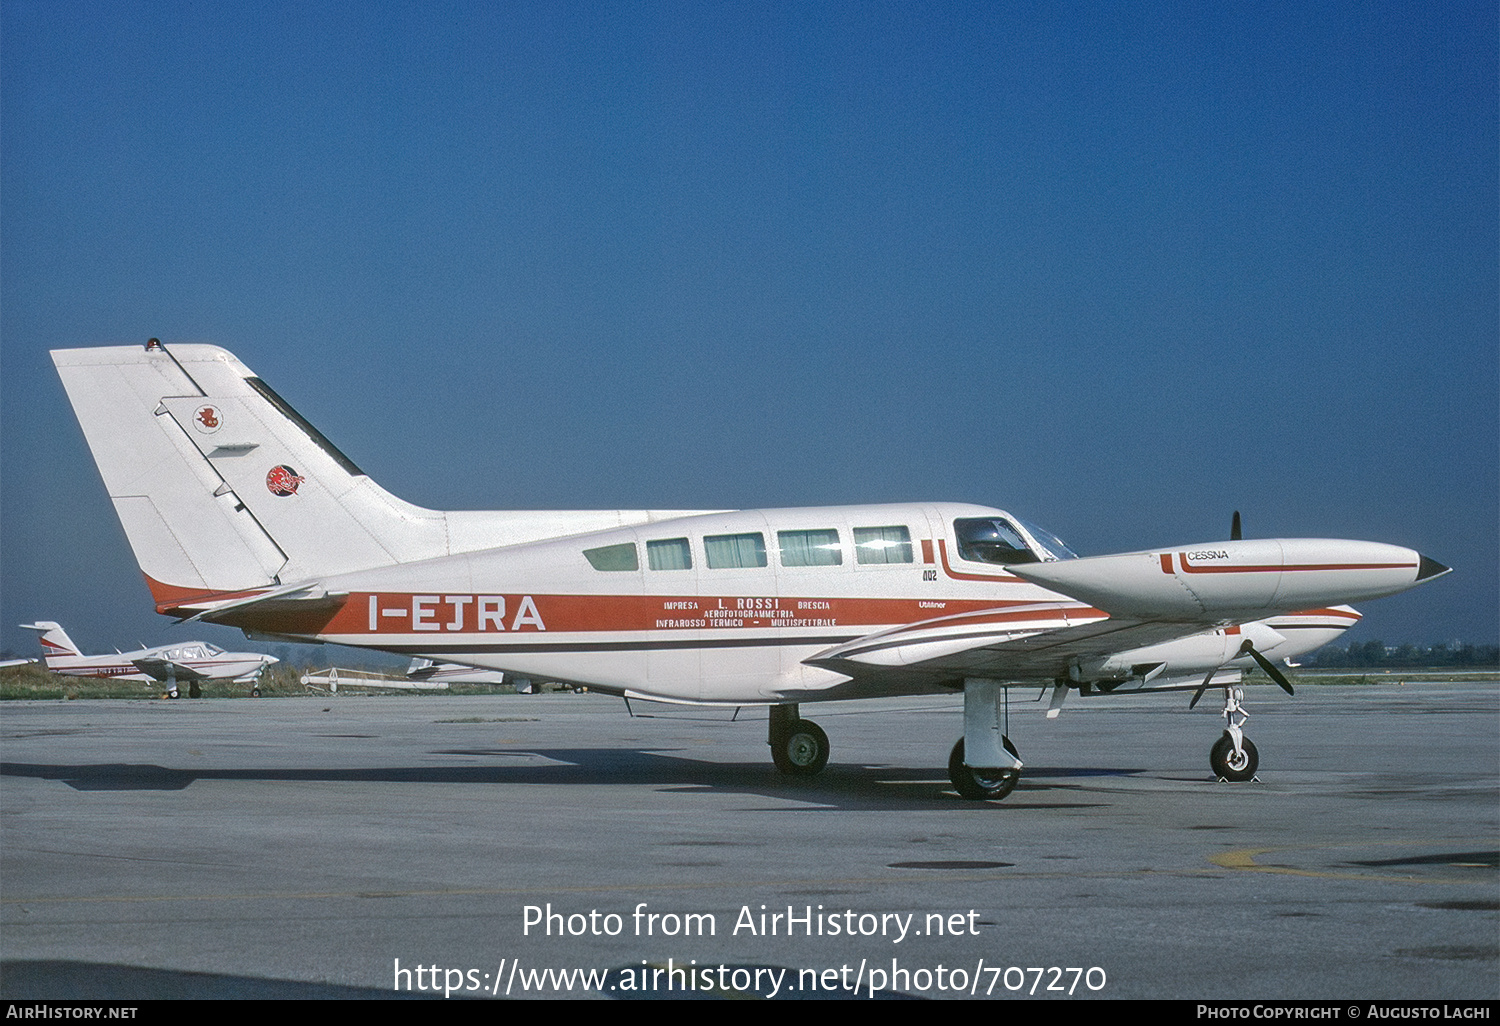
x: 1233, y: 756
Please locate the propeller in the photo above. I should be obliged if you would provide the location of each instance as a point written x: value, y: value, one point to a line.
x: 1248, y: 648
x: 1199, y: 693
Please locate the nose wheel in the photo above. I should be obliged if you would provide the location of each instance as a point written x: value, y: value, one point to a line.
x: 1236, y: 765
x: 1233, y: 757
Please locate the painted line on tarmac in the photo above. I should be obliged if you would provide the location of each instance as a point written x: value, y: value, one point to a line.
x: 1243, y: 860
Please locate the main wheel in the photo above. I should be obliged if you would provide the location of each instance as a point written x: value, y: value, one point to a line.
x: 194, y: 691
x: 972, y: 783
x: 801, y: 750
x: 1231, y: 767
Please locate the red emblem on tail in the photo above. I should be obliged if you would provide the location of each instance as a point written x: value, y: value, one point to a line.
x: 207, y: 419
x: 283, y: 480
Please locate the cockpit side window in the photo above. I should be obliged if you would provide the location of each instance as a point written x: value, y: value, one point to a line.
x: 991, y: 540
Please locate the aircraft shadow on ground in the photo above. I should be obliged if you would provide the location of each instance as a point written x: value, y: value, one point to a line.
x: 57, y: 980
x: 839, y: 786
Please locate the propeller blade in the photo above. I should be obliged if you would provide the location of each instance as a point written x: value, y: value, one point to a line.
x: 1248, y: 648
x: 1234, y: 528
x: 1199, y: 693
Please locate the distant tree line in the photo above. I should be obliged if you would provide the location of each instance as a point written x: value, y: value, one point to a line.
x: 1372, y: 654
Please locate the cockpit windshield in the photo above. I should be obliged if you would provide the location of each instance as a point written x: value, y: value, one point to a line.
x: 996, y: 540
x: 992, y: 540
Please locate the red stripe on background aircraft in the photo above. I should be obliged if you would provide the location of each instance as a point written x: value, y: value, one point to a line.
x: 240, y: 512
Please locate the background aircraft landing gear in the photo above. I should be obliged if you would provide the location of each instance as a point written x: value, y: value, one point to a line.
x: 798, y: 747
x: 194, y: 691
x: 981, y: 784
x: 1231, y: 765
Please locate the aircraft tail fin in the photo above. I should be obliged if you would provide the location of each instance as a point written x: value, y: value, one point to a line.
x: 221, y: 486
x: 54, y: 640
x: 225, y: 491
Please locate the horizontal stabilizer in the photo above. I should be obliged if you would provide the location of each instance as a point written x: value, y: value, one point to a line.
x: 294, y: 593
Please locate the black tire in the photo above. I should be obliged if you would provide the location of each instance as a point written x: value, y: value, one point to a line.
x: 194, y: 691
x: 1224, y: 764
x: 992, y: 784
x: 801, y: 750
x: 255, y: 692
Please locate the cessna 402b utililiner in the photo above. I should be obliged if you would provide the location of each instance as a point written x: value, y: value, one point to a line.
x: 241, y: 513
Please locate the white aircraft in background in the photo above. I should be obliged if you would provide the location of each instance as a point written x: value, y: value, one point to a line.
x: 240, y: 512
x: 427, y: 671
x: 187, y: 662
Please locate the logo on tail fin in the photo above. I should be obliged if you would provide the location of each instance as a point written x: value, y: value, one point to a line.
x: 283, y: 480
x: 207, y: 419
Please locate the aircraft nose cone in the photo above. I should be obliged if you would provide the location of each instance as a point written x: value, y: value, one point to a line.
x: 271, y: 659
x: 1427, y: 568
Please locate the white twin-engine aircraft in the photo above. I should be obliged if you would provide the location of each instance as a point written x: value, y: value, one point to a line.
x: 240, y: 512
x: 187, y: 662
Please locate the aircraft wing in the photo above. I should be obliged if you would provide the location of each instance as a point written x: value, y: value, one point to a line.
x: 167, y: 670
x: 1033, y: 642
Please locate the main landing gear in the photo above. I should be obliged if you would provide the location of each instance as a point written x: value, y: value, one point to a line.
x: 1233, y: 756
x: 984, y: 764
x: 798, y: 747
x: 981, y: 784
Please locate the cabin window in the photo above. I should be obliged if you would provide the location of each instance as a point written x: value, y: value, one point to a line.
x: 730, y: 551
x: 810, y: 548
x: 882, y: 544
x: 991, y: 540
x: 669, y: 554
x: 614, y: 557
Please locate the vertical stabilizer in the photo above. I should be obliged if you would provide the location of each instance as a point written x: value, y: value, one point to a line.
x: 54, y: 640
x: 221, y: 486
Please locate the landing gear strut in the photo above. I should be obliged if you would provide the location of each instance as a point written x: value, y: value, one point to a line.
x: 798, y: 747
x: 984, y: 763
x: 1233, y: 756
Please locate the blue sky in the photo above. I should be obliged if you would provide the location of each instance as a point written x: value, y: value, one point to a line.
x: 1118, y: 270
